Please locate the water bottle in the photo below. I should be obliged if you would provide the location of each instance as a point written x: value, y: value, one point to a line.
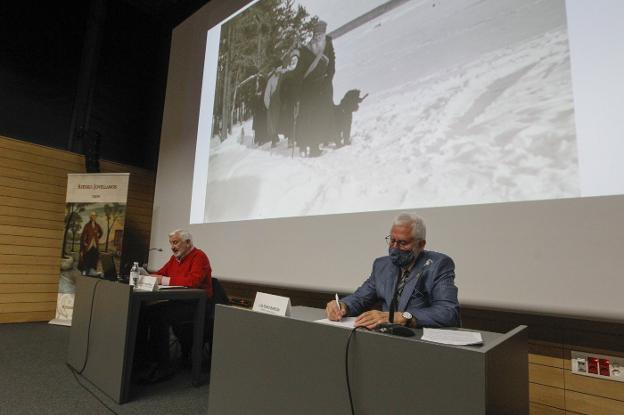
x: 134, y: 274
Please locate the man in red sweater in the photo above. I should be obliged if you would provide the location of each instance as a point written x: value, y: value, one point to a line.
x: 188, y: 267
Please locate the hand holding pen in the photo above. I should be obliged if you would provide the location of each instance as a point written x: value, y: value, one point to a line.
x: 335, y: 310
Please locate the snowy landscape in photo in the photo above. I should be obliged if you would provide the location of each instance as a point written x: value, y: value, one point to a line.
x: 469, y: 102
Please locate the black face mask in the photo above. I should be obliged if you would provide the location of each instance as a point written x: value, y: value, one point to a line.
x: 400, y: 258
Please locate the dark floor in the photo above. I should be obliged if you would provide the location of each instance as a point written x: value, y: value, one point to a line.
x: 34, y: 379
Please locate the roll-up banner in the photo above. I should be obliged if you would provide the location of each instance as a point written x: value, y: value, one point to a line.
x: 95, y: 214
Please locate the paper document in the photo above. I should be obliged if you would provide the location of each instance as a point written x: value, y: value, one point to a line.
x: 346, y: 322
x: 454, y: 337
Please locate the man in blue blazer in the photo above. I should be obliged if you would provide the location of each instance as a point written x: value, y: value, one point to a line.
x: 419, y: 282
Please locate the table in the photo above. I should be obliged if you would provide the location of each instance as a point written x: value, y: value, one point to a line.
x: 264, y: 363
x: 104, y: 326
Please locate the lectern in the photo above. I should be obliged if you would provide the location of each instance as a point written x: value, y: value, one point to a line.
x: 103, y: 332
x: 266, y: 364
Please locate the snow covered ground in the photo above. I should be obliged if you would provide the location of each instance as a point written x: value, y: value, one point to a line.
x: 470, y: 102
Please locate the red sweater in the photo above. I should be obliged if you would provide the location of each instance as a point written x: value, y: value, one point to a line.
x: 193, y: 270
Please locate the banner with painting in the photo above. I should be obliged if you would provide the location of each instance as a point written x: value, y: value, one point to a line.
x: 95, y: 213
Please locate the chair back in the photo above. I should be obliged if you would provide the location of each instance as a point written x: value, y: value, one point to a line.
x: 109, y: 270
x: 219, y: 296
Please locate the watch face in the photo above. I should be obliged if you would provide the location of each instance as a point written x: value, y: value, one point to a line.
x: 407, y: 315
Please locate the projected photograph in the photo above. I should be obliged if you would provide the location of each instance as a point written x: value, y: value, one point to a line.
x: 317, y: 107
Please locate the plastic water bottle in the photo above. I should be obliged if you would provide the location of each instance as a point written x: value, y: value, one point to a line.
x: 134, y: 274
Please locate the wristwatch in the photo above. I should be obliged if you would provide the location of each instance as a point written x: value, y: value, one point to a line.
x: 407, y: 316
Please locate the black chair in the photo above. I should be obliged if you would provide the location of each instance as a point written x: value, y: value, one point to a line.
x: 109, y: 270
x: 184, y: 330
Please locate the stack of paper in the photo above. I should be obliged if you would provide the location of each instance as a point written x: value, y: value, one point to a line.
x: 346, y: 322
x: 454, y: 337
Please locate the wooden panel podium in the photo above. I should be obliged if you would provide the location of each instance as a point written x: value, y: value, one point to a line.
x: 291, y: 365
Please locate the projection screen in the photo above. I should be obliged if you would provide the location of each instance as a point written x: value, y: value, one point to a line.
x: 496, y: 121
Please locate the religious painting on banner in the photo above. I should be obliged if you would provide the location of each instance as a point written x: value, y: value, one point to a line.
x: 95, y: 215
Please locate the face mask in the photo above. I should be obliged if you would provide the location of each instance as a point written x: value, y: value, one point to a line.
x: 400, y: 258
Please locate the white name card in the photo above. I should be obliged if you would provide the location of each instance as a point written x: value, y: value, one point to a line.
x: 147, y: 283
x: 272, y: 304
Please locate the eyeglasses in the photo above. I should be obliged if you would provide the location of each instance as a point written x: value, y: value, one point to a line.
x: 402, y: 244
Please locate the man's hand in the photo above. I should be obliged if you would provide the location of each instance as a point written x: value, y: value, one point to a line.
x: 332, y: 311
x: 373, y: 318
x: 158, y: 278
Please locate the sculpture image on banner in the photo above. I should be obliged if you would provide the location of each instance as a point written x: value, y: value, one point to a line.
x: 93, y: 234
x: 324, y: 107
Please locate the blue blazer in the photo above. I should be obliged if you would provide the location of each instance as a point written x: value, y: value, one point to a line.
x: 430, y: 294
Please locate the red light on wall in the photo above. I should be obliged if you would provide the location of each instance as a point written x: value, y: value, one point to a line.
x: 603, y: 365
x: 592, y: 365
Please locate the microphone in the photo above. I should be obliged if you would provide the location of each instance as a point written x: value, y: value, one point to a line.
x: 390, y: 327
x: 393, y: 306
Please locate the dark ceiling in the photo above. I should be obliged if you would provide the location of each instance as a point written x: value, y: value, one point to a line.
x: 168, y: 12
x: 42, y: 72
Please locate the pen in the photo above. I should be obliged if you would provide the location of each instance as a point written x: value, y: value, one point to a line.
x: 338, y: 303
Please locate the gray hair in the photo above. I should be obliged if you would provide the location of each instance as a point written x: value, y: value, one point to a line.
x: 419, y: 230
x: 184, y: 234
